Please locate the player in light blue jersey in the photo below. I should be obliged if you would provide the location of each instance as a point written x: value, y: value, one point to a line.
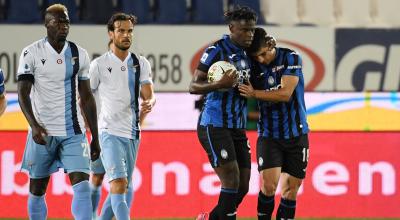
x: 3, y: 100
x: 222, y: 121
x: 282, y: 145
x: 120, y: 78
x: 51, y: 73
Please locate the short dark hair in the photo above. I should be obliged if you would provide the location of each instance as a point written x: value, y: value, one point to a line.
x: 260, y: 40
x: 240, y: 13
x: 119, y: 16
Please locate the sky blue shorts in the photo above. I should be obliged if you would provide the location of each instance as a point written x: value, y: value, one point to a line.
x: 68, y: 152
x: 118, y: 155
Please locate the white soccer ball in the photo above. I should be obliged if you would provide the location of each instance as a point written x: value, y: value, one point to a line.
x: 218, y: 69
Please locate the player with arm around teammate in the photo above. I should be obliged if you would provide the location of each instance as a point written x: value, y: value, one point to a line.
x: 282, y: 145
x: 222, y: 121
x: 50, y: 74
x: 120, y: 77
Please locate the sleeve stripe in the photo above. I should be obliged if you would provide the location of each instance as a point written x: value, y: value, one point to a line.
x: 83, y: 78
x: 146, y: 82
x: 28, y: 77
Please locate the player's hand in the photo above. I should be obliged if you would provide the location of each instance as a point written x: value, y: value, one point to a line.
x: 94, y: 149
x: 271, y: 41
x: 247, y: 90
x: 228, y: 80
x: 146, y: 106
x: 39, y: 135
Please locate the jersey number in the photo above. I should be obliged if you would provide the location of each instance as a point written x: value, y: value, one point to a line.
x: 85, y: 151
x: 306, y: 154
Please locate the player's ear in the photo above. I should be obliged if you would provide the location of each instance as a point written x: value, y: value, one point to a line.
x: 230, y: 27
x: 110, y: 34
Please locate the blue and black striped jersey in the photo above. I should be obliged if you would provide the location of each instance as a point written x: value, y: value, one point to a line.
x: 281, y: 120
x: 225, y: 109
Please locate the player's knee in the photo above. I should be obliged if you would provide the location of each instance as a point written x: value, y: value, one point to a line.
x: 77, y: 177
x: 118, y: 186
x: 97, y: 179
x: 229, y: 175
x: 291, y: 191
x: 268, y: 188
x: 230, y: 180
x: 38, y: 186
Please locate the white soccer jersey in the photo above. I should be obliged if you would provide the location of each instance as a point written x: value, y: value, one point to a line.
x: 55, y: 85
x: 118, y: 84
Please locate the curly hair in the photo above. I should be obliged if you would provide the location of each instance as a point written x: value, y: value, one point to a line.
x: 119, y: 16
x: 240, y: 13
x: 260, y: 39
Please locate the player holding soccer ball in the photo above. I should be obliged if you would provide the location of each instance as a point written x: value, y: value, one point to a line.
x: 282, y: 145
x: 3, y: 100
x: 222, y: 122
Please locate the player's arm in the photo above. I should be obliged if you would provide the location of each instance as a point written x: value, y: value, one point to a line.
x: 3, y: 100
x: 200, y: 84
x: 289, y: 81
x: 89, y: 106
x: 89, y: 109
x: 26, y: 79
x: 283, y: 94
x: 148, y: 101
x: 3, y: 103
x: 24, y: 90
x: 147, y: 89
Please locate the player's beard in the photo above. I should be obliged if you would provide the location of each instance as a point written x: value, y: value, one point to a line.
x: 122, y: 47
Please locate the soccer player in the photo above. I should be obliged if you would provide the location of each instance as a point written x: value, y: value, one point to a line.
x: 51, y: 72
x: 120, y: 77
x: 222, y: 121
x: 282, y: 145
x: 3, y: 100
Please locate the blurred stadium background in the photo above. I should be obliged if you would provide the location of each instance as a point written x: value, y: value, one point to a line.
x: 351, y: 53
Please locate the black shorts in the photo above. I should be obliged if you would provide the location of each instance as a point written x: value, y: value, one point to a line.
x: 224, y: 145
x: 290, y: 154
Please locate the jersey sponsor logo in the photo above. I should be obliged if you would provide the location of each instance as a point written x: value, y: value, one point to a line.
x: 277, y: 68
x: 123, y: 68
x: 294, y: 67
x: 59, y: 61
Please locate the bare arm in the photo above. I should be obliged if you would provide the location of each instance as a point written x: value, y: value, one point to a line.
x: 149, y: 100
x: 3, y: 103
x: 200, y: 85
x: 24, y: 90
x: 283, y: 94
x: 89, y: 109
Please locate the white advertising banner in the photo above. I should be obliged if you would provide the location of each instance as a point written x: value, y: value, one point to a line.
x: 174, y: 51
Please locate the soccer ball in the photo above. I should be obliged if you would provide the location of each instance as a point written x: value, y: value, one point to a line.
x: 218, y: 69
